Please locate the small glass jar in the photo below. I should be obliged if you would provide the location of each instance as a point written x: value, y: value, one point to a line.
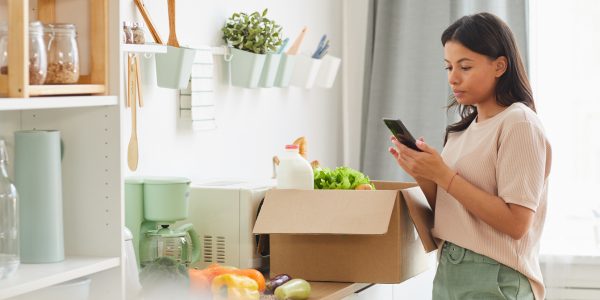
x: 63, y: 53
x: 139, y: 36
x: 128, y: 32
x: 38, y: 63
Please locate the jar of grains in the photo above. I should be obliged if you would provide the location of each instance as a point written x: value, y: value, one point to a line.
x: 139, y: 36
x: 128, y: 33
x: 37, y: 52
x: 63, y: 53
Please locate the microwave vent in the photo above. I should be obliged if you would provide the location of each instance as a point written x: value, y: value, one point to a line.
x: 220, y: 254
x: 207, y: 249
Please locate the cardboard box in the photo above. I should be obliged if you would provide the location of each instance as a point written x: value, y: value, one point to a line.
x: 342, y: 235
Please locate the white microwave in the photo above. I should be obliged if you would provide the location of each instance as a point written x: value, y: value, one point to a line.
x: 223, y: 212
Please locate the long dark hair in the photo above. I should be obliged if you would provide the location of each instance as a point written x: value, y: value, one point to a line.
x: 486, y: 34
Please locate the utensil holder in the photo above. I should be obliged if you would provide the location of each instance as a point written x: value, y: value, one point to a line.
x: 246, y: 68
x: 269, y: 71
x: 305, y: 71
x: 328, y: 71
x: 174, y: 67
x: 284, y: 72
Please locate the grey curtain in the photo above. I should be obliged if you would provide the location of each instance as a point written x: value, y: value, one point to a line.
x: 405, y: 76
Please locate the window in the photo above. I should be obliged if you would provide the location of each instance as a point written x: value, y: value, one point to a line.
x: 564, y: 57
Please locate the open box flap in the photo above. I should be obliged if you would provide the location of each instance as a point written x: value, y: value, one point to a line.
x: 326, y: 212
x: 422, y: 216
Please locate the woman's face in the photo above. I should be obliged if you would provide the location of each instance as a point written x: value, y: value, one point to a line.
x: 472, y: 76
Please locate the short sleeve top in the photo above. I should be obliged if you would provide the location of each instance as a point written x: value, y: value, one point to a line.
x: 508, y: 156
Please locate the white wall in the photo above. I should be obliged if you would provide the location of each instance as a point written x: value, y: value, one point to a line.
x: 253, y: 125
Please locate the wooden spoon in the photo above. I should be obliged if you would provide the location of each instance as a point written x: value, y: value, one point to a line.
x: 139, y: 79
x: 296, y: 46
x: 132, y: 151
x: 127, y: 101
x: 172, y: 36
x: 144, y: 11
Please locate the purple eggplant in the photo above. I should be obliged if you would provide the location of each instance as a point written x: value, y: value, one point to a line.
x: 276, y: 281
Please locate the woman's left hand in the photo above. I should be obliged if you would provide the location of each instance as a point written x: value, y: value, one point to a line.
x: 427, y: 164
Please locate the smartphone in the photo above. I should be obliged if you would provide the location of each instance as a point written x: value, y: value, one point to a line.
x: 401, y: 133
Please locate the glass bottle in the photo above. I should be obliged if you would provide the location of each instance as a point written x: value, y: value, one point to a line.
x: 139, y: 36
x: 9, y: 223
x: 38, y: 63
x: 63, y: 53
x: 128, y: 32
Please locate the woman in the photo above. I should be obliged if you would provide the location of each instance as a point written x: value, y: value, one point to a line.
x: 488, y: 189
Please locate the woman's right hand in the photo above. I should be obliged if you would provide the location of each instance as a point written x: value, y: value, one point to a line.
x: 405, y: 164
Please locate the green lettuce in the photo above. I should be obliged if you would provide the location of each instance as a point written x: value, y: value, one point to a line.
x: 342, y: 178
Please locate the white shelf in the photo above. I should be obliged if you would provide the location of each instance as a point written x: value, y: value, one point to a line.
x: 55, y: 102
x: 31, y: 277
x: 147, y: 48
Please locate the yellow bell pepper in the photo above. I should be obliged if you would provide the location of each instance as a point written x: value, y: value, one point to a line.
x: 234, y: 287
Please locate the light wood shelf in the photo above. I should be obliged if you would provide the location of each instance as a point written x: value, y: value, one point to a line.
x: 81, y: 88
x: 31, y: 277
x: 91, y: 136
x: 70, y: 89
x: 16, y: 83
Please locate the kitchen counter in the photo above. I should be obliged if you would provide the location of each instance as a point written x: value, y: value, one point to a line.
x: 329, y: 290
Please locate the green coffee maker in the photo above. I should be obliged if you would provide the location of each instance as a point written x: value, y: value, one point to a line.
x: 151, y: 202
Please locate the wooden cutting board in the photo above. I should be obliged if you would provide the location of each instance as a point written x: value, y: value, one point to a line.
x: 327, y: 290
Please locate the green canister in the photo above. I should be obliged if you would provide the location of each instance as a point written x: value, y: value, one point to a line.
x: 38, y: 178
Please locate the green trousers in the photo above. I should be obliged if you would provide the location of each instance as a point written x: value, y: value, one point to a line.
x: 464, y: 275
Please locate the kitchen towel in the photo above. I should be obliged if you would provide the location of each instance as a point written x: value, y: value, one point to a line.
x: 196, y: 101
x: 38, y: 180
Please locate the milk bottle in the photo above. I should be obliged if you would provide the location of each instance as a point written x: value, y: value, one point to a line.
x: 294, y: 171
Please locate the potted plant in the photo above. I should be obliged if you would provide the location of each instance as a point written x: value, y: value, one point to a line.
x: 252, y: 38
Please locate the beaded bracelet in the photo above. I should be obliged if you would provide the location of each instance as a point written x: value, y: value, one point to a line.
x: 448, y: 189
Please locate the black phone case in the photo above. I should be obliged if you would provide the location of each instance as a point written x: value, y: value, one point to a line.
x: 401, y: 133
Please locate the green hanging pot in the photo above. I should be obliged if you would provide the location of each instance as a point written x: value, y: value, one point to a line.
x: 246, y: 68
x: 269, y: 71
x: 173, y: 68
x: 284, y: 72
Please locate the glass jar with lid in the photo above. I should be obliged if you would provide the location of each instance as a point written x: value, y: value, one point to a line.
x: 63, y: 53
x: 139, y: 36
x: 37, y: 53
x: 128, y: 33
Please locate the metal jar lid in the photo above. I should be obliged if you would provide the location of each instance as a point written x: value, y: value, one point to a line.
x: 60, y: 28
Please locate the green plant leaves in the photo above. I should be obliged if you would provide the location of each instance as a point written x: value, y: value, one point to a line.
x: 252, y: 33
